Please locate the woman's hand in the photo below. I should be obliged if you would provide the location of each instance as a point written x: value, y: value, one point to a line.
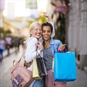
x: 62, y: 47
x: 49, y: 19
x: 40, y: 46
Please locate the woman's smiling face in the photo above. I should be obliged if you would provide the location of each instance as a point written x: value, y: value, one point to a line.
x: 36, y: 32
x: 46, y: 33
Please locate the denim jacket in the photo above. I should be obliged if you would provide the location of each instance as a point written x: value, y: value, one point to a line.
x: 54, y: 45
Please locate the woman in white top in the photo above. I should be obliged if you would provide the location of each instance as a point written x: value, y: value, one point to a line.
x: 31, y: 44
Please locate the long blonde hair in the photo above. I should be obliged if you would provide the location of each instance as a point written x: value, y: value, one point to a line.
x: 32, y: 26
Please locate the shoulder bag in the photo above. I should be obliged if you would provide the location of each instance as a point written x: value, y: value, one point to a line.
x: 20, y: 76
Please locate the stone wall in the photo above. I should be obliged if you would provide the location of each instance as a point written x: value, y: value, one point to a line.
x: 83, y: 28
x: 77, y: 30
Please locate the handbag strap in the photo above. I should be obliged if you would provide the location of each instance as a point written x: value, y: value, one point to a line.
x: 36, y: 52
x: 20, y: 57
x: 23, y: 55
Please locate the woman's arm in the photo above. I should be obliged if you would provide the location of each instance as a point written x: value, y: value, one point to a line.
x: 50, y: 20
x: 30, y: 52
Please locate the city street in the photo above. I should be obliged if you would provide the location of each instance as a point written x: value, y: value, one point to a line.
x: 69, y: 25
x: 6, y: 66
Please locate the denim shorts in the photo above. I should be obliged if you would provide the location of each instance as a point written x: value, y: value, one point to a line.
x: 38, y: 83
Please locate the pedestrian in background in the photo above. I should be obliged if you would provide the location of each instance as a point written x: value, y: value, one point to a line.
x: 2, y: 48
x: 9, y: 43
x: 16, y: 44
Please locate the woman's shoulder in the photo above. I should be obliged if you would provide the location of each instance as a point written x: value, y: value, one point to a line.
x: 32, y: 40
x: 55, y: 41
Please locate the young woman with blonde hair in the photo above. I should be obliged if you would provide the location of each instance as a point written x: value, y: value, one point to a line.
x: 32, y: 43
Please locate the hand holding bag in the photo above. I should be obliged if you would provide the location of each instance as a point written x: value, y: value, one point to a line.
x: 64, y: 66
x: 20, y: 76
x: 39, y: 68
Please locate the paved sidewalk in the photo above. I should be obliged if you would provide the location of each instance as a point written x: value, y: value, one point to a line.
x: 6, y: 66
x: 81, y: 80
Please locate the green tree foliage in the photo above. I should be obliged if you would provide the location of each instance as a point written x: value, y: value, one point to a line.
x: 41, y: 19
x: 1, y: 30
x: 8, y: 31
x: 4, y: 33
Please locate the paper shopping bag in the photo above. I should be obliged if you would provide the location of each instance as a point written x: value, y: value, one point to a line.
x: 35, y: 70
x: 41, y: 67
x: 65, y: 66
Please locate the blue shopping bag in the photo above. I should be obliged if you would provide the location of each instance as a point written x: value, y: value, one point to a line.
x: 65, y: 66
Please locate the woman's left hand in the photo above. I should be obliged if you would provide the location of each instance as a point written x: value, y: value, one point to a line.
x: 62, y: 47
x: 40, y: 46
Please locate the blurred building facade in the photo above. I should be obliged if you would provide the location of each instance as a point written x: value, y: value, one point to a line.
x: 17, y: 26
x: 1, y: 12
x: 77, y: 30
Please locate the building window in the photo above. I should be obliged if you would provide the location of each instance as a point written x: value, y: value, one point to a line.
x: 31, y: 4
